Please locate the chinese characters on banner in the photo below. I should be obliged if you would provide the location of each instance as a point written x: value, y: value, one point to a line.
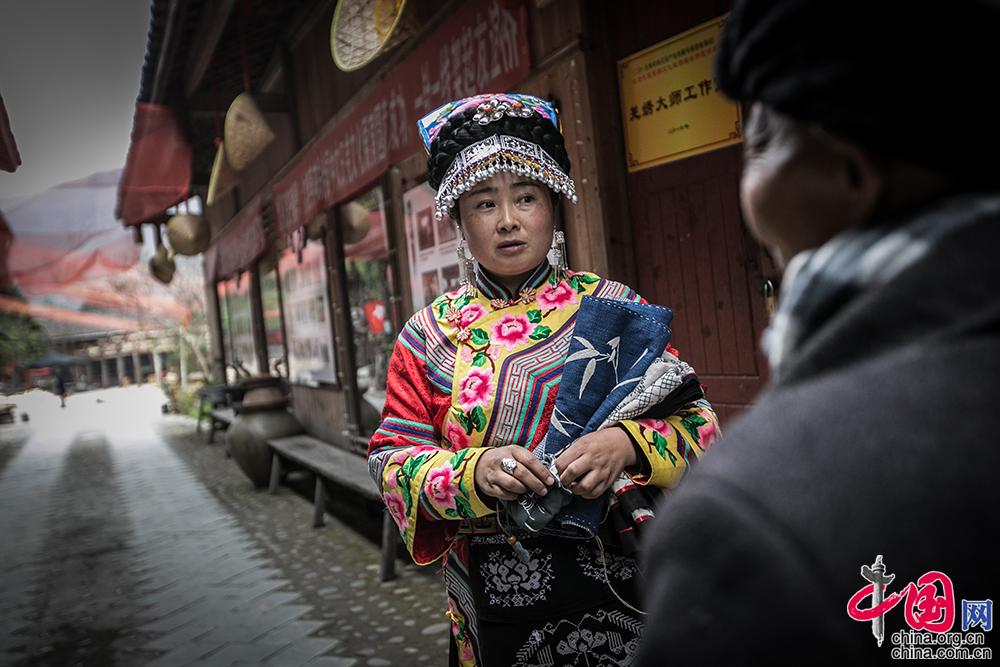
x: 242, y: 242
x: 482, y: 47
x: 670, y: 106
x: 307, y: 315
x: 432, y: 247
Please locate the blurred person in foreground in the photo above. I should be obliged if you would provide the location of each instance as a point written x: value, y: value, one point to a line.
x: 871, y: 174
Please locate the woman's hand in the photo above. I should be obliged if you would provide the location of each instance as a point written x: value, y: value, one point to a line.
x: 528, y: 475
x: 592, y: 463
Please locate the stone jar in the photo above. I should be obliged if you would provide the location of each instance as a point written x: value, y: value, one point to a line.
x: 263, y: 416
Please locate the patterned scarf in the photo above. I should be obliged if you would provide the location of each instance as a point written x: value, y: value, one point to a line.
x: 818, y: 283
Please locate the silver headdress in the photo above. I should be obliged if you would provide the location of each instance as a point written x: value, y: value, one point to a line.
x: 497, y: 153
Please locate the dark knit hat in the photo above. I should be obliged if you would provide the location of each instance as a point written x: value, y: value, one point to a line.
x: 907, y: 80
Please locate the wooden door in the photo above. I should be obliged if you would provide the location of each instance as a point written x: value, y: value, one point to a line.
x: 689, y: 246
x: 693, y: 253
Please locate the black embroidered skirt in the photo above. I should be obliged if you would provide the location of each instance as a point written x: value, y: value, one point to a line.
x: 554, y: 608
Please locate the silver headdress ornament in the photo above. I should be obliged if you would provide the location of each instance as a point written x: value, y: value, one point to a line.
x: 495, y: 109
x: 496, y: 154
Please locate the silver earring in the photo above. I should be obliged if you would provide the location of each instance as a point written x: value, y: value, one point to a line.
x: 559, y: 255
x: 465, y: 269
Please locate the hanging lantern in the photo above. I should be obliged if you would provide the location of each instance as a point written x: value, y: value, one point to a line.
x: 362, y: 30
x: 246, y: 133
x: 188, y: 234
x: 162, y: 266
x: 223, y: 178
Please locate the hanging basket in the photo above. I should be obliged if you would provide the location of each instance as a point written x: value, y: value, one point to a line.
x: 362, y: 30
x: 188, y: 234
x: 354, y: 223
x: 223, y: 178
x: 162, y: 266
x: 246, y: 134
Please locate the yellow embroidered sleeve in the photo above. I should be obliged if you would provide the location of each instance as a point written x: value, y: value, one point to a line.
x: 671, y: 445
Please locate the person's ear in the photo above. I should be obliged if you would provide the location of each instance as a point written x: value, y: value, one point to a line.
x: 857, y: 173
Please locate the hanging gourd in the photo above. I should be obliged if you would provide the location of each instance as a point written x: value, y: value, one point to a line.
x: 188, y: 234
x: 162, y: 266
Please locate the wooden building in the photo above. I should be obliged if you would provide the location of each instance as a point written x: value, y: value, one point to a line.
x: 326, y: 243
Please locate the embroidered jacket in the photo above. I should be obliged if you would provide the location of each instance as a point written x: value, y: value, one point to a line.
x: 473, y: 372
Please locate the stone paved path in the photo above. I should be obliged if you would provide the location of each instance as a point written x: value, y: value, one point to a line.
x: 125, y: 540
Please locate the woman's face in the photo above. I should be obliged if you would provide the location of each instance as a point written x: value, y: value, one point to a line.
x: 801, y: 186
x: 508, y: 221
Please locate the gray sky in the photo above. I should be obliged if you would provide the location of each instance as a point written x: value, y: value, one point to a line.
x: 69, y: 76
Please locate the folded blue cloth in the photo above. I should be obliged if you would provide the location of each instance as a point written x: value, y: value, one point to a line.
x: 613, y: 344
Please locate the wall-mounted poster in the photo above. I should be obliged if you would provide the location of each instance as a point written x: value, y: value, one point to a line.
x: 240, y: 349
x: 431, y: 244
x: 670, y: 106
x: 306, y: 302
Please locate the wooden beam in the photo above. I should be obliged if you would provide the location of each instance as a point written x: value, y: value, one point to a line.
x: 213, y: 23
x: 292, y: 33
x: 204, y: 104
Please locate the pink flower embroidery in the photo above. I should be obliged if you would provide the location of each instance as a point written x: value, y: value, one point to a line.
x: 466, y: 354
x: 658, y: 425
x: 475, y: 389
x: 467, y: 653
x: 470, y: 314
x: 556, y: 296
x: 512, y: 330
x: 494, y: 352
x: 456, y: 436
x: 391, y: 482
x: 397, y: 508
x: 400, y: 455
x: 707, y: 433
x: 441, y: 486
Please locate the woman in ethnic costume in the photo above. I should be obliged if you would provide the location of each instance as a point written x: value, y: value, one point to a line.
x: 471, y: 386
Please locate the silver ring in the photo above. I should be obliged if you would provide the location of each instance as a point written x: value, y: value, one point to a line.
x: 508, y: 465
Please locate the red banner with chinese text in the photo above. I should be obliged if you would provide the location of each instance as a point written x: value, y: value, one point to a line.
x: 241, y: 243
x: 482, y: 47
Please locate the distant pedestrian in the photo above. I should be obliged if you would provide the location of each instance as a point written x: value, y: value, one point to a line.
x: 61, y: 387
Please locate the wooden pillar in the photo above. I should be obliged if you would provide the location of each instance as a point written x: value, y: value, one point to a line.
x: 120, y: 369
x: 257, y: 321
x: 182, y: 356
x: 218, y: 336
x: 157, y: 366
x: 136, y: 367
x: 105, y: 377
x: 341, y: 319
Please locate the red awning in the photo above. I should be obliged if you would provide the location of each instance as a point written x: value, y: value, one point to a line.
x: 157, y: 171
x: 10, y: 159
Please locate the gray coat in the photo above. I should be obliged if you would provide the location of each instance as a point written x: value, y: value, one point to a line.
x: 882, y: 438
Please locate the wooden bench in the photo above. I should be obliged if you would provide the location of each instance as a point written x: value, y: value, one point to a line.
x: 329, y: 463
x: 220, y: 419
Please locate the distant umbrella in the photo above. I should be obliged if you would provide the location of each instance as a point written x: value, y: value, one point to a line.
x: 54, y: 359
